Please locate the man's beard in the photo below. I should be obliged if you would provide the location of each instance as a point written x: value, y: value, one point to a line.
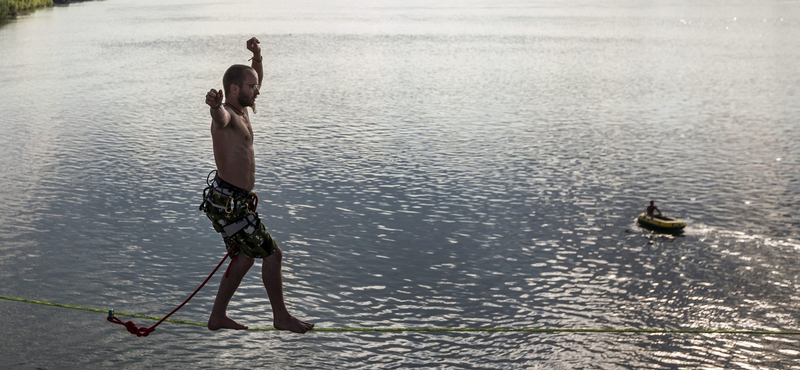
x: 247, y: 102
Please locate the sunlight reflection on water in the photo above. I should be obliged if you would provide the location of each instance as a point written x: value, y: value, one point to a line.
x: 443, y: 165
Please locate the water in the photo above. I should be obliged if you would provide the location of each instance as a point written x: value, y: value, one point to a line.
x: 453, y: 164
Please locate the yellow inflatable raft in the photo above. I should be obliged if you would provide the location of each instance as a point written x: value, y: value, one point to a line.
x: 661, y: 222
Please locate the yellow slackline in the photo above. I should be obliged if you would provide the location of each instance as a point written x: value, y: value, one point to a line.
x: 432, y: 329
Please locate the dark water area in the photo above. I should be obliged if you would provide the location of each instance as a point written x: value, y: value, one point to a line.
x: 449, y: 164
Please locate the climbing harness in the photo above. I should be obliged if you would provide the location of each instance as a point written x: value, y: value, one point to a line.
x: 213, y: 186
x: 232, y: 212
x: 234, y: 201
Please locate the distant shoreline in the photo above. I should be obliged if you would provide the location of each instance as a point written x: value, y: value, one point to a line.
x: 12, y: 8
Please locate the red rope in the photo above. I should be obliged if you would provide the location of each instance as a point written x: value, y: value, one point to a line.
x: 233, y: 258
x: 145, y: 331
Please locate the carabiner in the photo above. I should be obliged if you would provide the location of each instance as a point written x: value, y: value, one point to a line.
x: 230, y: 205
x: 254, y: 202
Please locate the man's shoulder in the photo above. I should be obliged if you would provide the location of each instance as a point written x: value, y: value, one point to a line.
x: 234, y: 120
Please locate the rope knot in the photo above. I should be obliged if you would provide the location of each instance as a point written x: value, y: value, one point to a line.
x: 145, y: 331
x: 132, y: 328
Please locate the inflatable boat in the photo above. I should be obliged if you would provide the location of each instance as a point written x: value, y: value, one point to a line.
x: 661, y: 222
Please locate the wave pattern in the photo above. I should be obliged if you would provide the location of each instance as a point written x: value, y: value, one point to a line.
x: 434, y: 166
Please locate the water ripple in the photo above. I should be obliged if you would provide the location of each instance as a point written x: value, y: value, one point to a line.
x: 480, y: 169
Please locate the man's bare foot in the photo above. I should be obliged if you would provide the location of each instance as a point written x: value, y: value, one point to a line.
x: 292, y: 324
x: 224, y: 323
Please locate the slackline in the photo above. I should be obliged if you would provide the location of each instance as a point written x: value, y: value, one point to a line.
x: 428, y: 329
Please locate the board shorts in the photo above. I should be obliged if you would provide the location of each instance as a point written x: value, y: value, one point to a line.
x: 232, y: 212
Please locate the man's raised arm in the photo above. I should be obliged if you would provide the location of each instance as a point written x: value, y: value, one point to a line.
x: 253, y: 46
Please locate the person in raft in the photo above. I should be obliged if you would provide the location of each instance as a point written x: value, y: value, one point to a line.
x: 652, y: 209
x: 229, y: 200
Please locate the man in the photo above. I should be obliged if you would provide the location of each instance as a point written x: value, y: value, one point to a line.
x: 230, y: 202
x: 652, y: 209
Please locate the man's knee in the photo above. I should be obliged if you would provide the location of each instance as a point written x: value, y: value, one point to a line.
x: 277, y: 254
x: 243, y: 261
x: 275, y: 257
x: 247, y: 261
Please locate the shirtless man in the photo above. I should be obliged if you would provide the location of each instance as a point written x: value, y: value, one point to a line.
x: 652, y: 209
x: 230, y: 202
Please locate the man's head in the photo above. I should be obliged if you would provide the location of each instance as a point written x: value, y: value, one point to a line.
x: 241, y: 83
x: 651, y: 202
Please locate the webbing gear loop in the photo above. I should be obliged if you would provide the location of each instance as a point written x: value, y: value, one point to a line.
x: 208, y: 177
x: 231, y: 229
x: 207, y: 191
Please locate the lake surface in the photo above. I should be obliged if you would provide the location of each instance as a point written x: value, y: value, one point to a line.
x: 457, y: 164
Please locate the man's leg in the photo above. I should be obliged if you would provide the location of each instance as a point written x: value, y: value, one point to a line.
x: 273, y: 282
x: 219, y: 318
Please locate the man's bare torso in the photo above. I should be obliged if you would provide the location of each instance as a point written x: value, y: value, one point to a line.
x: 233, y: 151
